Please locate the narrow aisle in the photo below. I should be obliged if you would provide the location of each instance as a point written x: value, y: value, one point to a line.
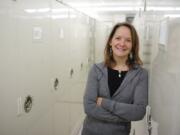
x: 47, y: 48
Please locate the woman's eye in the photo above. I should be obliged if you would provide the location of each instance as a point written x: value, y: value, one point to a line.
x: 128, y: 40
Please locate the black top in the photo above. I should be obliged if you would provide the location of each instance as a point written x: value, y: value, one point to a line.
x: 114, y: 81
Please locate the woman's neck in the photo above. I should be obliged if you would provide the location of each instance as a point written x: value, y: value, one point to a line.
x: 120, y: 63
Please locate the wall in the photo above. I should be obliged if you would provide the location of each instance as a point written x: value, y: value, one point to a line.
x: 26, y: 68
x: 101, y: 34
x: 147, y: 26
x: 165, y: 82
x: 41, y: 41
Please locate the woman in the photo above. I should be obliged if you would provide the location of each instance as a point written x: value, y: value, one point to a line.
x: 117, y: 89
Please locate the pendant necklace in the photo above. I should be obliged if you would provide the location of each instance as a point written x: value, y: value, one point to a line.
x: 119, y: 75
x: 120, y: 71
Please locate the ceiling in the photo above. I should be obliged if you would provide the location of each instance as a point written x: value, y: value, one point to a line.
x: 106, y: 10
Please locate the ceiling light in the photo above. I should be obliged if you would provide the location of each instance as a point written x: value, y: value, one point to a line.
x: 172, y: 15
x: 160, y: 8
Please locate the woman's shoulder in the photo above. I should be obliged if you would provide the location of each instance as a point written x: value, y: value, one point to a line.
x: 140, y: 69
x: 100, y: 65
x: 143, y: 71
x: 98, y: 68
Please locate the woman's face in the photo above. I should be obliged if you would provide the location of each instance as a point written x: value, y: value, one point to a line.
x: 121, y: 42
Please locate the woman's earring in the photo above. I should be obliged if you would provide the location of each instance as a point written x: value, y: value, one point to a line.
x: 131, y: 56
x: 110, y: 51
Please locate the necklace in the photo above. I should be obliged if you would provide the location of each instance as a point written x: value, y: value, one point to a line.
x: 119, y: 75
x: 120, y: 69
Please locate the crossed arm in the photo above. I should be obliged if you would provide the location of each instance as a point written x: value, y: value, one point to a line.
x: 92, y: 105
x: 113, y: 111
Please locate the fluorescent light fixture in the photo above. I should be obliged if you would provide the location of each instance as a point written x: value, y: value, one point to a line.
x: 99, y: 4
x: 172, y: 15
x: 30, y: 10
x: 160, y: 8
x: 117, y: 9
x: 132, y: 8
x: 63, y: 16
x: 109, y: 9
x: 43, y: 10
x: 59, y: 16
x: 126, y: 8
x: 58, y: 10
x: 177, y: 8
x: 72, y: 16
x: 40, y: 10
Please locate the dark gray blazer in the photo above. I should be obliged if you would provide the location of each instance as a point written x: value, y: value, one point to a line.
x: 127, y: 104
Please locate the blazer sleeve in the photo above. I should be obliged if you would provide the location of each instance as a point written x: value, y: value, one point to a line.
x: 90, y: 97
x: 135, y: 111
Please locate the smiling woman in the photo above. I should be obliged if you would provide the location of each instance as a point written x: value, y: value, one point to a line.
x: 117, y: 88
x: 121, y: 43
x: 122, y: 46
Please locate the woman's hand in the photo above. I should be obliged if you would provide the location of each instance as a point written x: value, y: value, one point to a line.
x: 99, y: 101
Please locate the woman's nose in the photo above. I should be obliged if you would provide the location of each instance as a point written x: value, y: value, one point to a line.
x: 122, y: 42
